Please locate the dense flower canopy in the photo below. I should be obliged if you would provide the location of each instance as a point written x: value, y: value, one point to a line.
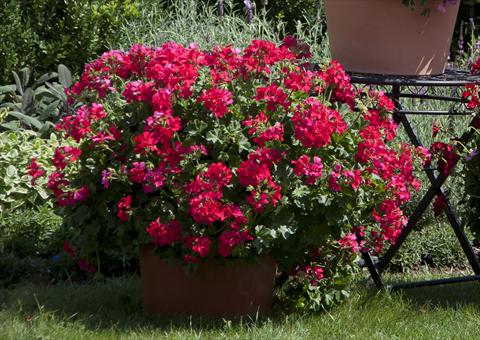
x: 229, y: 153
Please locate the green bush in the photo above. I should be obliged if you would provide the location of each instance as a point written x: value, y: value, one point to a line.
x: 34, y: 105
x: 16, y: 270
x: 16, y: 150
x: 40, y: 34
x: 31, y: 232
x: 30, y: 241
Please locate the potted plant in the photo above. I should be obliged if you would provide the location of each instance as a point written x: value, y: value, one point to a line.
x: 405, y: 37
x: 221, y: 166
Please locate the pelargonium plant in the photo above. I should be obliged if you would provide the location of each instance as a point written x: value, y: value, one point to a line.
x: 230, y: 154
x: 448, y: 154
x: 470, y: 155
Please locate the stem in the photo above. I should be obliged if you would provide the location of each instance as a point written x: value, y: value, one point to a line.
x: 220, y: 8
x: 249, y: 9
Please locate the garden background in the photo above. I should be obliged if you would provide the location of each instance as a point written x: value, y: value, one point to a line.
x: 45, y: 44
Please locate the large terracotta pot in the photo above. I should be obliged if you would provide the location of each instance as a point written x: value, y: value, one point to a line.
x: 214, y: 289
x: 384, y: 36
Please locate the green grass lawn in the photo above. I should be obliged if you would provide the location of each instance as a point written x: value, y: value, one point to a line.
x: 112, y: 310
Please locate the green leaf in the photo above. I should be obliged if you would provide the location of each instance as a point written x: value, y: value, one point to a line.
x: 55, y: 91
x: 11, y: 171
x: 12, y: 154
x: 27, y: 101
x: 51, y: 108
x: 7, y: 89
x: 14, y: 125
x: 64, y: 76
x: 26, y: 119
x: 286, y: 231
x: 213, y: 136
x: 25, y: 74
x: 18, y: 83
x: 300, y: 191
x: 44, y: 78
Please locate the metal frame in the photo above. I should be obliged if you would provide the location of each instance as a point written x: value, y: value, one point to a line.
x: 451, y: 79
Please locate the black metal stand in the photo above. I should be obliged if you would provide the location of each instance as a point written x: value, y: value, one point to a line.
x: 420, y: 84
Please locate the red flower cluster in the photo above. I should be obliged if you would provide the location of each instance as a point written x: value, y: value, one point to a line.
x: 475, y: 68
x: 200, y: 246
x: 303, y: 167
x: 165, y: 234
x: 314, y: 123
x: 274, y: 96
x: 337, y: 82
x: 35, y: 171
x: 301, y: 49
x: 204, y: 148
x: 350, y: 241
x: 124, y: 208
x: 395, y: 168
x: 255, y: 172
x: 261, y: 131
x: 446, y: 155
x: 64, y: 155
x: 470, y: 94
x: 231, y: 238
x: 63, y: 194
x: 439, y: 205
x: 312, y: 273
x: 216, y: 100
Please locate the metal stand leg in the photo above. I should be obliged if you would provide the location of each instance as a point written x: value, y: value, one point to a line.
x: 435, y: 189
x: 449, y: 211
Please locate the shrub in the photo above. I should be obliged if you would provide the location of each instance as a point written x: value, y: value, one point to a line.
x: 226, y: 154
x: 41, y: 34
x: 16, y: 270
x: 16, y: 150
x: 34, y: 105
x: 31, y: 232
x: 30, y: 241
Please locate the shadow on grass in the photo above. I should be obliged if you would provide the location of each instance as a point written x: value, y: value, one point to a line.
x: 106, y: 305
x: 447, y: 296
x: 116, y: 304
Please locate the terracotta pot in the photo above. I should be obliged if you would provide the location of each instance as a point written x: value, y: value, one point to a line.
x: 384, y: 36
x: 214, y: 289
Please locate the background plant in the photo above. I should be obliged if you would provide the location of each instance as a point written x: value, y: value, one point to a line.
x: 31, y: 232
x: 34, y: 105
x: 42, y: 34
x: 16, y: 151
x: 472, y: 187
x: 188, y: 21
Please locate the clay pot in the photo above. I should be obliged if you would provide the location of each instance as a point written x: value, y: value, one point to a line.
x: 237, y: 289
x: 386, y: 37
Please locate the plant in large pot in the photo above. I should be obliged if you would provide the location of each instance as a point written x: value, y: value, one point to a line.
x: 405, y: 37
x: 228, y: 163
